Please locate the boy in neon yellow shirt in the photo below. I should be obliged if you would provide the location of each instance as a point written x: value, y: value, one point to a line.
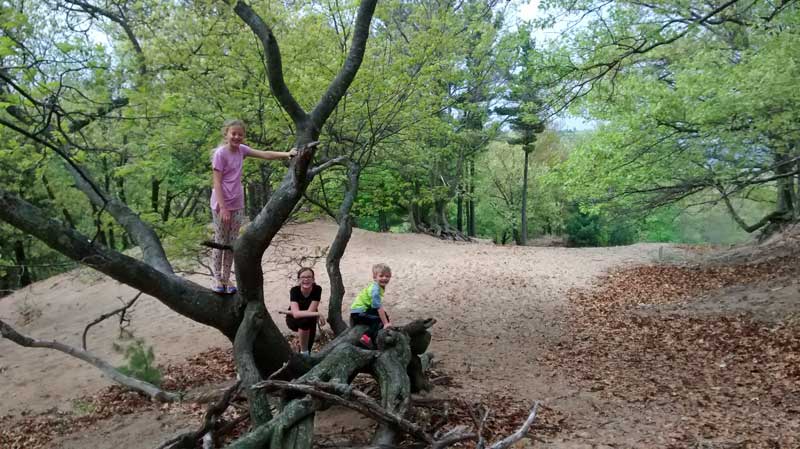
x: 368, y: 308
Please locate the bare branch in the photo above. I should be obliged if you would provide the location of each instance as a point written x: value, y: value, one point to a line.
x: 516, y: 436
x: 339, y: 86
x: 181, y: 295
x: 347, y: 396
x: 341, y: 160
x: 104, y: 316
x: 210, y: 422
x: 272, y: 56
x: 8, y: 332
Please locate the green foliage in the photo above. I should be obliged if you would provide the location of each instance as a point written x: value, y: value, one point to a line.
x: 710, y: 114
x: 591, y: 229
x: 140, y: 362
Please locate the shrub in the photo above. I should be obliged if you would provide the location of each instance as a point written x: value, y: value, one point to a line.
x: 140, y: 363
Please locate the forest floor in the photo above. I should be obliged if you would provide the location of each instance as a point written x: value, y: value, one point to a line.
x: 640, y: 346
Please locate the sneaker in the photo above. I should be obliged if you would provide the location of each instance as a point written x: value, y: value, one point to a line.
x: 230, y: 289
x: 219, y: 289
x: 366, y: 341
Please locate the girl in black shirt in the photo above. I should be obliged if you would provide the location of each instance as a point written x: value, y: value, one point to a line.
x: 303, y: 304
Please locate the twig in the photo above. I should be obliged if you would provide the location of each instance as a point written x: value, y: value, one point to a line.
x: 516, y: 436
x: 279, y: 371
x: 213, y: 412
x: 479, y: 424
x: 104, y: 316
x: 453, y: 436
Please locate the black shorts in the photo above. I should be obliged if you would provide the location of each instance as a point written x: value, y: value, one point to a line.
x: 307, y: 323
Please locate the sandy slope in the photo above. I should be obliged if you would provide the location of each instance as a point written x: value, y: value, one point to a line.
x: 495, y: 306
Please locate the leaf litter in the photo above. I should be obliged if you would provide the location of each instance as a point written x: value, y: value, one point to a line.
x: 729, y: 380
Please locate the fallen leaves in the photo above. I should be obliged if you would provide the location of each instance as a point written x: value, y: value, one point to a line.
x: 730, y: 379
x: 38, y: 431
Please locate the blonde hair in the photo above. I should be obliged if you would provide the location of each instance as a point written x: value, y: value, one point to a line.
x: 381, y: 268
x: 231, y: 123
x: 228, y: 124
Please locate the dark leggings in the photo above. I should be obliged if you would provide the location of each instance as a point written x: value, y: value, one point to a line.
x: 369, y: 318
x: 308, y: 323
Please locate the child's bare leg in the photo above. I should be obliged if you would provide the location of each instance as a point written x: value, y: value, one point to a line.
x: 303, y: 334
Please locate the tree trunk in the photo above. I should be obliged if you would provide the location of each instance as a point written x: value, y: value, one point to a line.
x: 471, y: 201
x: 785, y: 188
x: 112, y: 241
x: 259, y: 192
x: 25, y: 277
x: 336, y: 365
x: 155, y: 185
x: 99, y: 232
x: 169, y: 197
x: 338, y: 247
x: 383, y: 222
x: 414, y: 212
x: 460, y: 211
x: 523, y: 232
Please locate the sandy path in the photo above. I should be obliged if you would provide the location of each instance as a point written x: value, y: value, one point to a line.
x: 495, y: 307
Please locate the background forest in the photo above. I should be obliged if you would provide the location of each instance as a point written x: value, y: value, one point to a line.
x: 460, y: 122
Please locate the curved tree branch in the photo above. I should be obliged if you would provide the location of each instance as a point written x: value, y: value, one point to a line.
x: 152, y: 251
x: 348, y: 72
x: 119, y: 20
x: 182, y: 296
x: 272, y: 55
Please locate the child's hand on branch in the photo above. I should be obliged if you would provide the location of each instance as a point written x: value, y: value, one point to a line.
x: 321, y: 320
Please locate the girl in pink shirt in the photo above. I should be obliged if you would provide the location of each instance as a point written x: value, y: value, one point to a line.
x: 227, y: 198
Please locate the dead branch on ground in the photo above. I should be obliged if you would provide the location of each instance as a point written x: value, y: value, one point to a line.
x: 155, y: 393
x: 211, y: 423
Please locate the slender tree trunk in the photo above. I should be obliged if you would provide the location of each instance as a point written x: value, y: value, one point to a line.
x: 413, y: 210
x: 460, y: 211
x: 471, y: 201
x: 25, y: 277
x: 167, y: 206
x: 785, y: 189
x: 794, y: 183
x: 523, y: 232
x: 337, y: 249
x: 100, y: 234
x: 440, y: 215
x: 112, y: 242
x: 383, y: 222
x: 260, y: 191
x: 121, y: 189
x: 155, y: 185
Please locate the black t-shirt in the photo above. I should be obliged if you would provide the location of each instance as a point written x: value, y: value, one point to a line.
x: 295, y: 295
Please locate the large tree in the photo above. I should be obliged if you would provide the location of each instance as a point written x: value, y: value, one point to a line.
x: 57, y: 100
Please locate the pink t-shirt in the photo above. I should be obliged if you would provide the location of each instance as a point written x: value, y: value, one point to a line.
x: 229, y: 163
